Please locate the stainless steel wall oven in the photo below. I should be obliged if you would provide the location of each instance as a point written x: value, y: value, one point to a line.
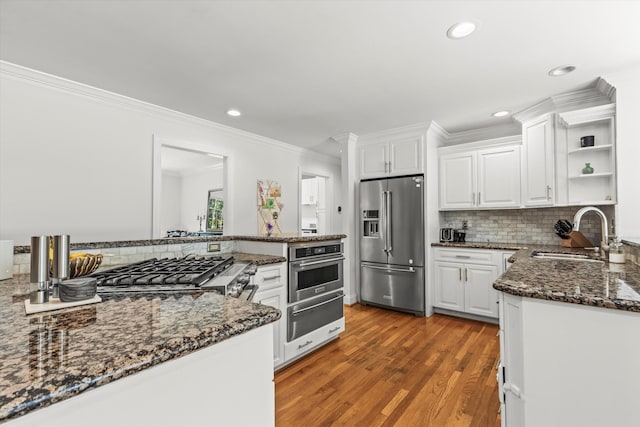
x: 315, y: 269
x: 315, y: 287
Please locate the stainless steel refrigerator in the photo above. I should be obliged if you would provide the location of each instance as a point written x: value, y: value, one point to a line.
x: 392, y: 243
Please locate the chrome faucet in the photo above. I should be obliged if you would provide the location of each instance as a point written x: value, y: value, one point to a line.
x: 603, y: 222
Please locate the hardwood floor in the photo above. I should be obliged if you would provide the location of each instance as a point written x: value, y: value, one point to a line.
x: 394, y: 369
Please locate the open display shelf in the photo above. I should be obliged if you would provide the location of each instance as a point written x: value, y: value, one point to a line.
x: 598, y: 187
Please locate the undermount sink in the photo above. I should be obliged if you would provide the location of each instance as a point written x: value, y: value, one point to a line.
x: 563, y: 256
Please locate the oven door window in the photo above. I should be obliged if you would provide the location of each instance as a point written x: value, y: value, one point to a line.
x: 318, y: 276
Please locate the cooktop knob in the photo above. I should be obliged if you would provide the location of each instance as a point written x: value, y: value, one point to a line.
x: 244, y: 279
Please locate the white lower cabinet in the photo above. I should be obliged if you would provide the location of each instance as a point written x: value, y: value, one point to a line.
x: 311, y: 340
x: 275, y: 298
x: 568, y: 364
x: 464, y: 281
x: 272, y: 291
x: 511, y: 379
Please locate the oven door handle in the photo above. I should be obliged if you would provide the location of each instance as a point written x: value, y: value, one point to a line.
x: 302, y: 310
x: 401, y: 270
x: 324, y: 261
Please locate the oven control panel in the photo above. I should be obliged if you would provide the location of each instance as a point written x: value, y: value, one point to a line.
x: 310, y: 251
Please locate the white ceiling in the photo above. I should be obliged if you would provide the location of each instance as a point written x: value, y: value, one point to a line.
x: 303, y: 71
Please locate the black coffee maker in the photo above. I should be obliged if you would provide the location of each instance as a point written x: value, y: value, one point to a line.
x: 459, y: 235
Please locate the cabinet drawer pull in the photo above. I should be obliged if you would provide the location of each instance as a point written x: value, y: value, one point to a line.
x: 304, y: 345
x: 337, y: 328
x: 271, y: 277
x: 463, y: 256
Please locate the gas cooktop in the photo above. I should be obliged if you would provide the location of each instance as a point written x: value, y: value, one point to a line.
x: 177, y: 274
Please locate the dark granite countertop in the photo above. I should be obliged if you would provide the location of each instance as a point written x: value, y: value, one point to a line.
x: 282, y: 238
x: 598, y: 284
x: 481, y: 245
x: 256, y: 258
x: 106, y: 341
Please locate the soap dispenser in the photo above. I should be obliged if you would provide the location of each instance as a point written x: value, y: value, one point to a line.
x: 616, y: 252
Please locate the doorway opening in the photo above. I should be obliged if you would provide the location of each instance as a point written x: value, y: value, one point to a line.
x: 313, y: 204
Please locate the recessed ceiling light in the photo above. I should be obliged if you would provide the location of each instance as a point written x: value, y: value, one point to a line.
x: 461, y: 30
x: 561, y: 71
x: 500, y: 114
x: 234, y: 113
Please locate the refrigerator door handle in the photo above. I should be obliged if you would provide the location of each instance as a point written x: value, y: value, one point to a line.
x: 389, y: 222
x: 385, y: 222
x: 401, y: 270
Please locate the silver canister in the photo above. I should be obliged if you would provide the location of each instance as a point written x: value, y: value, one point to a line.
x: 39, y: 269
x: 59, y: 263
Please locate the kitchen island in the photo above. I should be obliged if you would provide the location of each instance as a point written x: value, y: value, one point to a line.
x: 147, y: 360
x: 569, y: 346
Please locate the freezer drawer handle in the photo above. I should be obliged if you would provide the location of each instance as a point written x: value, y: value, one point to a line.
x: 295, y: 313
x: 324, y: 261
x: 401, y: 270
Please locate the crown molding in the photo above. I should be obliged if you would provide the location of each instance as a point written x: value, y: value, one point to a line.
x: 606, y: 89
x: 599, y: 112
x: 485, y: 143
x: 409, y: 130
x: 482, y: 134
x: 344, y: 138
x: 600, y: 93
x: 540, y: 109
x: 439, y: 131
x: 50, y: 81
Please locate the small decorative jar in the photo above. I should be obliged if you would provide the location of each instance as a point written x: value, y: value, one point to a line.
x: 587, y: 169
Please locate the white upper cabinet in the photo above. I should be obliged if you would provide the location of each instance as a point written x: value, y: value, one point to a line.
x: 538, y: 163
x: 480, y: 178
x: 499, y: 177
x: 399, y: 156
x: 309, y: 191
x: 457, y: 180
x: 373, y: 161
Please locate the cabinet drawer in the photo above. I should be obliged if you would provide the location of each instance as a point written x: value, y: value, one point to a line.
x: 480, y: 256
x: 270, y: 276
x: 313, y: 339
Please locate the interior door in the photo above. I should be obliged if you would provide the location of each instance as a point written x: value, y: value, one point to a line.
x: 405, y: 207
x: 372, y: 221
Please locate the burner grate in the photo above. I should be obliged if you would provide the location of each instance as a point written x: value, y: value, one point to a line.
x: 189, y: 271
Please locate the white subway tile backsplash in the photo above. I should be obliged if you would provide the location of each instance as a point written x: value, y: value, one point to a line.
x: 127, y: 250
x: 529, y: 226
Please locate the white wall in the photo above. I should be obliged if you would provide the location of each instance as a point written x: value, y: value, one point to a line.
x: 171, y: 215
x: 627, y: 84
x: 77, y: 160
